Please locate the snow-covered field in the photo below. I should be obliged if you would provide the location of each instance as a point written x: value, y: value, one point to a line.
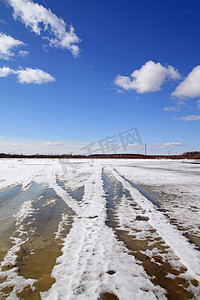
x: 99, y: 229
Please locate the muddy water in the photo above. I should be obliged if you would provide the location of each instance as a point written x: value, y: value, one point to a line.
x: 76, y: 194
x: 160, y: 199
x: 10, y: 201
x: 37, y: 257
x: 156, y: 266
x: 114, y: 193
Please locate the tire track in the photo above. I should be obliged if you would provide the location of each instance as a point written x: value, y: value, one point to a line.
x: 186, y: 252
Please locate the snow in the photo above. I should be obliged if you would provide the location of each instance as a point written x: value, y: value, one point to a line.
x: 91, y: 249
x: 11, y: 274
x: 88, y: 255
x: 177, y: 184
x: 25, y: 210
x: 186, y: 252
x: 61, y: 226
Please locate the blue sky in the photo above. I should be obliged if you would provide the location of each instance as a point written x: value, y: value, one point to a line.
x: 75, y: 72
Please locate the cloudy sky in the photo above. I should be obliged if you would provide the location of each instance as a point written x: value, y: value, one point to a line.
x: 74, y: 73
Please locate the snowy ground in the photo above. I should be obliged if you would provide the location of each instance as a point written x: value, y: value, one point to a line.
x: 100, y: 229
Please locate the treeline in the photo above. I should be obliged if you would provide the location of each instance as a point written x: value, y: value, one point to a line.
x: 189, y: 155
x: 193, y: 155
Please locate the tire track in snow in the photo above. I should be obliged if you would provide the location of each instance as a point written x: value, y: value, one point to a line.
x: 91, y: 250
x: 186, y: 252
x: 52, y: 183
x: 129, y: 223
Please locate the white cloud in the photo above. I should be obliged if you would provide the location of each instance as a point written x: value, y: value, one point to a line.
x: 34, y: 16
x: 23, y: 53
x: 171, y: 108
x: 120, y: 91
x: 179, y: 103
x: 7, y: 44
x: 198, y: 104
x: 5, y: 71
x: 169, y: 144
x: 172, y: 148
x: 36, y: 76
x: 9, y: 145
x: 28, y: 75
x: 190, y: 87
x: 173, y: 144
x: 53, y: 144
x: 149, y: 78
x: 189, y: 118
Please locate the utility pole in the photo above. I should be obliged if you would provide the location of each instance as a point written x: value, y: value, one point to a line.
x: 145, y: 149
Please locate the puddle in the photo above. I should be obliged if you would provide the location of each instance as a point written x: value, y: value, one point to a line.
x: 76, y: 194
x: 8, y: 194
x: 108, y: 296
x: 159, y: 269
x: 37, y: 257
x: 150, y: 194
x: 141, y: 189
x: 157, y: 199
x: 114, y: 192
x: 11, y: 199
x: 155, y: 265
